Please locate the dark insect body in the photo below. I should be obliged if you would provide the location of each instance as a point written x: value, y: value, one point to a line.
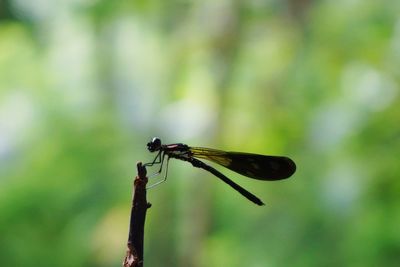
x: 260, y: 167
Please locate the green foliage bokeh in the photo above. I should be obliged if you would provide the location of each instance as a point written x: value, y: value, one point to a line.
x: 84, y: 85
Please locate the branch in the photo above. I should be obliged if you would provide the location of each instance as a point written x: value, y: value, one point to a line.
x: 134, y: 254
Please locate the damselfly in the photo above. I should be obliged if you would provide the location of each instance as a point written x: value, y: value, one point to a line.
x: 260, y: 167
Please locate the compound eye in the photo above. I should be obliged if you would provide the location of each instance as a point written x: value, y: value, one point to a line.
x: 156, y: 141
x: 154, y: 145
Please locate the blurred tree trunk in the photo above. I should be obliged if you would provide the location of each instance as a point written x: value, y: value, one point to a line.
x: 224, y: 49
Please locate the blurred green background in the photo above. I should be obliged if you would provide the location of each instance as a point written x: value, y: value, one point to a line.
x: 84, y: 85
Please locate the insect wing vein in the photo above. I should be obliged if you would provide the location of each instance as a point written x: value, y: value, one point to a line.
x: 218, y: 156
x: 261, y: 167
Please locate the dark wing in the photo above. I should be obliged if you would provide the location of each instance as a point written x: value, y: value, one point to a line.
x: 255, y: 166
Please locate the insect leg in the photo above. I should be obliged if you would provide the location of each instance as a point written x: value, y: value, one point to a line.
x: 165, y: 176
x: 157, y: 160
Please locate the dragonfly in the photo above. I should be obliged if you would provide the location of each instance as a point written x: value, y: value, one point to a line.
x: 259, y: 167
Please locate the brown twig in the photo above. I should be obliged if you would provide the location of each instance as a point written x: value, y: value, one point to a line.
x: 134, y: 254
